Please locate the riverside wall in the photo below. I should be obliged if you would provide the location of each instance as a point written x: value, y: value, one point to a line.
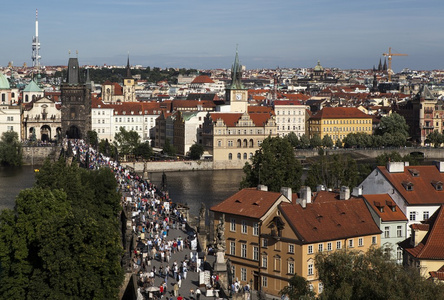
x: 36, y: 155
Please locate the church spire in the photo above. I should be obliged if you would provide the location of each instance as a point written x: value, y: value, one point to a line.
x: 128, y: 69
x: 236, y: 74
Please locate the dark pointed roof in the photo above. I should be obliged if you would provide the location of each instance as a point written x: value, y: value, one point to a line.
x: 73, y: 75
x: 236, y: 74
x: 128, y: 69
x: 425, y: 93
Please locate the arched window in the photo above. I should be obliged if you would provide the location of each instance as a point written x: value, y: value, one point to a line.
x: 219, y: 143
x: 238, y: 156
x: 230, y: 156
x: 251, y: 143
x: 245, y: 155
x: 251, y: 155
x: 239, y: 143
x: 245, y: 143
x: 27, y: 98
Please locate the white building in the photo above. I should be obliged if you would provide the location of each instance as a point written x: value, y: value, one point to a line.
x: 290, y: 117
x: 10, y: 119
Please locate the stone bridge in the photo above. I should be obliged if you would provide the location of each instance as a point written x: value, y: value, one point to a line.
x: 426, y: 152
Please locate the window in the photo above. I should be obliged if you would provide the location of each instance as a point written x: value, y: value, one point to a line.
x: 244, y: 226
x: 329, y: 247
x: 425, y: 215
x: 230, y: 143
x: 233, y: 248
x: 245, y: 155
x: 232, y: 224
x: 320, y: 288
x: 219, y: 143
x: 413, y: 216
x: 320, y: 247
x: 399, y: 231
x: 277, y: 263
x: 264, y: 281
x: 386, y: 231
x: 310, y: 249
x: 310, y: 269
x: 290, y: 267
x: 374, y: 240
x: 399, y: 254
x: 10, y: 128
x: 360, y: 242
x: 255, y: 253
x: 264, y: 243
x: 243, y: 274
x: 338, y: 245
x: 244, y: 250
x: 233, y: 270
x: 264, y: 260
x: 10, y: 118
x: 256, y: 229
x: 238, y: 156
x: 290, y: 248
x: 230, y: 156
x: 350, y: 243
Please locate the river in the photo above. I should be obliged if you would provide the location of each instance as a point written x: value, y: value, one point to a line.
x: 186, y: 187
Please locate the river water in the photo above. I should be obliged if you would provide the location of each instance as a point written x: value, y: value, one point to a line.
x: 189, y: 187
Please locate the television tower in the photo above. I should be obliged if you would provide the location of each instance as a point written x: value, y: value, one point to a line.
x: 36, y: 44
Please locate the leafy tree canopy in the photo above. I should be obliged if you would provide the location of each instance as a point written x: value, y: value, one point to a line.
x: 372, y: 275
x: 62, y: 240
x: 273, y: 165
x: 10, y: 149
x: 168, y: 148
x: 298, y: 288
x: 126, y: 141
x: 392, y: 124
x: 196, y: 151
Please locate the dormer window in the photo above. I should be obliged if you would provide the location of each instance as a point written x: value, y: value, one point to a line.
x: 391, y: 205
x: 414, y: 172
x: 379, y: 206
x: 437, y: 185
x: 408, y: 185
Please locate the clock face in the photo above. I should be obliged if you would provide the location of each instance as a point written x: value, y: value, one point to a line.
x: 238, y: 96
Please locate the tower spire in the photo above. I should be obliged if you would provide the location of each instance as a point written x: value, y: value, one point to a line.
x: 36, y: 43
x: 236, y: 73
x: 128, y: 69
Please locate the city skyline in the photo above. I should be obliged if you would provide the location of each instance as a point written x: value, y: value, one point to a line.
x: 204, y: 34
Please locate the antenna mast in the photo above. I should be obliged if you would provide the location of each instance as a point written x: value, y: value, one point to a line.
x: 36, y: 44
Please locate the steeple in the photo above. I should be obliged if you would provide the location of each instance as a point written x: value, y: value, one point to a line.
x: 128, y: 69
x: 380, y: 65
x: 73, y: 75
x: 384, y: 68
x: 236, y: 74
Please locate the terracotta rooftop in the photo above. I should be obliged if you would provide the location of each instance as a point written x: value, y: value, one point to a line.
x: 249, y: 202
x: 385, y: 207
x: 202, y: 79
x: 432, y: 245
x: 332, y: 220
x: 231, y: 119
x: 339, y: 113
x: 438, y: 274
x: 423, y: 189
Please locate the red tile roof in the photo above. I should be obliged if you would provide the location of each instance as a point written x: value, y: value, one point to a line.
x: 249, y: 202
x: 202, y: 79
x: 423, y: 191
x: 230, y: 119
x: 432, y: 245
x: 287, y: 102
x: 339, y: 113
x: 390, y: 211
x: 438, y: 274
x: 332, y: 220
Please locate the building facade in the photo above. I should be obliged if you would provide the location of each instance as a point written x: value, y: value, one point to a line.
x: 290, y: 117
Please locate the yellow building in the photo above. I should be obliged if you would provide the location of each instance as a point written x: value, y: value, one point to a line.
x: 338, y: 122
x: 295, y: 232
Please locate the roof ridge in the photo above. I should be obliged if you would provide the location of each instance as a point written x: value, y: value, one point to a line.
x: 438, y: 216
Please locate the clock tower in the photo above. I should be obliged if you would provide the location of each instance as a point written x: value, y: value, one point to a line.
x: 129, y: 87
x: 236, y: 94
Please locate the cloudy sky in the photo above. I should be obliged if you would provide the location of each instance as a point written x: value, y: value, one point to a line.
x: 205, y: 33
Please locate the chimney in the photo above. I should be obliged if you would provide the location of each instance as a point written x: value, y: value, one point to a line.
x: 262, y: 187
x: 286, y: 191
x: 357, y: 191
x: 304, y: 203
x: 344, y: 194
x: 440, y: 166
x: 305, y: 195
x: 320, y: 187
x: 395, y: 167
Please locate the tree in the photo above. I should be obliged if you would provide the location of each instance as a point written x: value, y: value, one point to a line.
x: 126, y: 141
x: 353, y: 275
x: 169, y: 149
x: 144, y: 150
x: 394, y: 124
x: 10, y: 149
x: 62, y: 241
x: 304, y: 142
x: 92, y: 138
x: 383, y: 159
x: 196, y: 151
x: 334, y: 171
x: 435, y: 138
x: 273, y: 165
x: 327, y: 141
x: 315, y: 141
x: 298, y: 288
x: 293, y: 139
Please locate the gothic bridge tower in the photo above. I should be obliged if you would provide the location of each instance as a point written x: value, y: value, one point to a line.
x: 76, y: 103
